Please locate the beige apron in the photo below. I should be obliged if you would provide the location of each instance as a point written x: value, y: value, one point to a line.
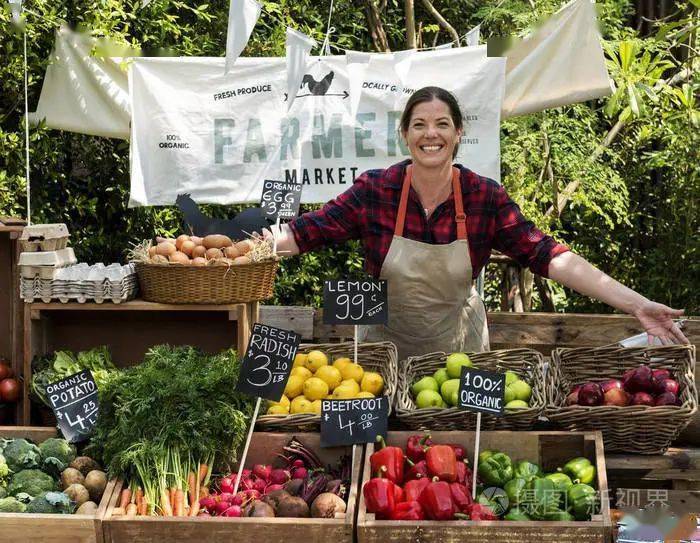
x: 433, y: 305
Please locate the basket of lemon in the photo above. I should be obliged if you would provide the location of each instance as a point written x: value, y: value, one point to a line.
x: 327, y: 371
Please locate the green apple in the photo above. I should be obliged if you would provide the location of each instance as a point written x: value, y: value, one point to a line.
x: 517, y: 404
x: 521, y: 390
x: 426, y: 383
x: 441, y: 376
x: 450, y: 390
x: 454, y: 364
x: 428, y: 398
x: 511, y: 377
x: 443, y: 404
x: 509, y: 395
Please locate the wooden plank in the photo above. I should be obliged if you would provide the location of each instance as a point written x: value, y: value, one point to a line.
x: 37, y: 434
x: 680, y: 502
x: 675, y: 458
x: 298, y: 319
x: 132, y: 305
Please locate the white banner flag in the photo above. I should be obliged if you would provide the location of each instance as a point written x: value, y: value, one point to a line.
x: 242, y: 16
x: 298, y: 47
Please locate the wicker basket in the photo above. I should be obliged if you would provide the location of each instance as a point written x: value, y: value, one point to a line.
x: 171, y: 284
x: 635, y: 428
x: 380, y: 357
x: 527, y: 363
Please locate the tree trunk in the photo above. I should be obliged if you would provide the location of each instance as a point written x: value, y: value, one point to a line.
x: 410, y: 24
x: 441, y: 20
x: 376, y: 28
x: 545, y: 291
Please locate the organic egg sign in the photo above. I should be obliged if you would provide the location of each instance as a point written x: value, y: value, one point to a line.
x: 280, y: 199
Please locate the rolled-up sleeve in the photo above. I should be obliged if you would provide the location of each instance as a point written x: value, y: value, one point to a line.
x: 337, y: 221
x: 520, y: 239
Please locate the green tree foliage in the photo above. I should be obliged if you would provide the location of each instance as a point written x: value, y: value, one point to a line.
x: 633, y: 157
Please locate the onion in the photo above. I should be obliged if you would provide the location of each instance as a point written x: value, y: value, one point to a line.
x: 179, y: 258
x: 187, y: 247
x: 213, y: 253
x: 165, y: 248
x: 199, y: 251
x: 180, y: 240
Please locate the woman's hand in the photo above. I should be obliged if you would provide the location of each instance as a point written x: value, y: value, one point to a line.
x: 282, y: 234
x: 657, y: 320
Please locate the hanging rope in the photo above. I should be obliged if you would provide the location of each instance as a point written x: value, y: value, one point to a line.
x: 26, y: 132
x: 326, y: 45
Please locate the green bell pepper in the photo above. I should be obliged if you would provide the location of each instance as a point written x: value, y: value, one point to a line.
x: 564, y: 516
x: 485, y: 454
x: 562, y: 483
x: 580, y: 468
x: 514, y: 488
x: 582, y: 501
x: 516, y: 514
x: 527, y: 470
x: 539, y: 498
x: 496, y: 499
x: 496, y: 469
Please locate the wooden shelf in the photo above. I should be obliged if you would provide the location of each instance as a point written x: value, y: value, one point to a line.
x: 132, y: 305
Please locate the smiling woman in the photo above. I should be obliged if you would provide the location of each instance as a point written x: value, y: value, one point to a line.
x: 428, y: 228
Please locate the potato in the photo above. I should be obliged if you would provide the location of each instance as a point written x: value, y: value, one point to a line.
x: 159, y: 259
x: 77, y: 493
x: 152, y: 251
x: 182, y: 238
x: 244, y: 246
x: 70, y: 477
x: 217, y: 241
x: 197, y: 240
x: 241, y: 260
x: 95, y: 482
x: 213, y: 253
x: 88, y: 508
x: 160, y: 239
x: 199, y: 251
x: 187, y: 247
x: 84, y: 464
x: 166, y: 248
x: 179, y: 258
x: 231, y: 252
x: 199, y: 261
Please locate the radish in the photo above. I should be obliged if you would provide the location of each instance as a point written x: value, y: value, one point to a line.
x: 226, y: 497
x: 272, y: 488
x: 221, y: 506
x: 208, y: 502
x: 262, y: 471
x: 260, y: 485
x: 299, y: 473
x: 298, y: 463
x: 233, y: 511
x: 227, y: 484
x: 280, y: 476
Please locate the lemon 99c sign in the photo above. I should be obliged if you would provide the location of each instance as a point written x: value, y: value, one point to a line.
x: 355, y: 302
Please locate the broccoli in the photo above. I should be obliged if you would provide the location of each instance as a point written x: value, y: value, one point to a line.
x: 11, y: 505
x: 21, y: 454
x: 31, y: 481
x: 56, y: 454
x: 51, y: 502
x: 3, y: 492
x: 4, y: 472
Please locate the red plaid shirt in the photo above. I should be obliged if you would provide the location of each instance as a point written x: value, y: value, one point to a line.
x: 368, y: 210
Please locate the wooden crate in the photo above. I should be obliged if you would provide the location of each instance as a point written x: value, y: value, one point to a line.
x: 263, y: 449
x: 41, y: 528
x: 549, y: 449
x: 129, y: 329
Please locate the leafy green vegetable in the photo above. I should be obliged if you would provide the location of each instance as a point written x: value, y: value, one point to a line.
x: 56, y: 455
x: 11, y: 505
x: 51, y: 502
x: 32, y: 482
x: 21, y: 454
x: 4, y: 472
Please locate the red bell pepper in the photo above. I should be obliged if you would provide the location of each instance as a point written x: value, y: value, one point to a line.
x: 398, y: 495
x: 418, y: 470
x: 379, y: 496
x: 413, y: 489
x: 442, y: 462
x: 416, y: 446
x: 436, y: 500
x: 460, y: 496
x: 476, y: 511
x: 464, y: 474
x: 460, y: 452
x: 389, y: 461
x: 408, y: 511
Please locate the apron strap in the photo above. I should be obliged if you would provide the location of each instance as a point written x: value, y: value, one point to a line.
x: 460, y: 217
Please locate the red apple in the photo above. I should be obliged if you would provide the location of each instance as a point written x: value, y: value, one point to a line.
x: 667, y: 398
x: 627, y: 374
x: 9, y: 390
x: 640, y: 380
x: 5, y: 369
x: 642, y: 398
x: 572, y: 398
x: 616, y: 396
x: 668, y: 385
x: 590, y: 394
x: 661, y: 374
x: 610, y: 384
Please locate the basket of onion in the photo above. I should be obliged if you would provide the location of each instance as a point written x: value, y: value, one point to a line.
x: 209, y: 270
x: 641, y: 398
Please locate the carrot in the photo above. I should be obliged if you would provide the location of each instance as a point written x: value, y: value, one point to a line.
x: 131, y: 510
x: 173, y: 490
x: 203, y: 470
x: 203, y: 492
x: 140, y: 501
x: 179, y: 503
x: 192, y: 484
x: 165, y: 504
x: 125, y: 497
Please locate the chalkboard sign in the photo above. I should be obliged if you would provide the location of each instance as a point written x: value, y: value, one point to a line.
x: 268, y: 362
x: 346, y: 422
x: 355, y: 302
x: 75, y: 404
x: 481, y: 390
x: 280, y: 199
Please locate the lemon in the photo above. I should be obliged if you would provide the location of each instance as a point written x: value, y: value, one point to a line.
x: 277, y: 410
x: 329, y: 397
x: 340, y: 363
x: 330, y: 375
x: 352, y: 384
x: 301, y: 371
x: 295, y: 385
x: 352, y: 371
x: 284, y: 402
x: 316, y: 406
x: 316, y: 359
x: 364, y: 394
x: 315, y: 388
x: 299, y: 360
x: 301, y: 405
x: 372, y: 382
x: 343, y: 392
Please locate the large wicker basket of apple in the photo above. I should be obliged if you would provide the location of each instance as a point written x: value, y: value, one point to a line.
x: 641, y: 398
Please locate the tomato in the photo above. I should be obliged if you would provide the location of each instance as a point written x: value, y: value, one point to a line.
x: 5, y: 370
x: 9, y: 390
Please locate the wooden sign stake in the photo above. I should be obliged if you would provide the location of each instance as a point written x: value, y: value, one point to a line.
x: 476, y: 454
x: 274, y: 238
x: 245, y: 449
x: 355, y: 359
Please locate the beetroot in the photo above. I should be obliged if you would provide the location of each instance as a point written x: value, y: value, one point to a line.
x: 642, y: 398
x: 262, y: 471
x: 640, y: 380
x: 207, y: 502
x: 272, y: 488
x: 668, y: 385
x: 666, y: 398
x: 294, y: 486
x: 590, y: 394
x: 220, y: 507
x: 260, y: 485
x: 227, y: 483
x: 280, y: 476
x: 616, y: 396
x: 299, y: 473
x: 610, y: 384
x: 232, y: 511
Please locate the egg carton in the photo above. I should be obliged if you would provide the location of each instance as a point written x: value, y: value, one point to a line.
x: 81, y: 290
x: 44, y: 237
x: 45, y: 264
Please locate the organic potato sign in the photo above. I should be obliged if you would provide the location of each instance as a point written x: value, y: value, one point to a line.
x: 280, y: 199
x: 348, y: 301
x: 268, y: 362
x: 347, y: 422
x: 75, y: 404
x: 481, y: 390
